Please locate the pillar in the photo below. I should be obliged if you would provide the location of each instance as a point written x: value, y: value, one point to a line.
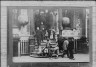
x: 3, y: 36
x: 93, y: 36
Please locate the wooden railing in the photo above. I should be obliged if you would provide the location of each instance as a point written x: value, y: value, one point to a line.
x: 24, y: 47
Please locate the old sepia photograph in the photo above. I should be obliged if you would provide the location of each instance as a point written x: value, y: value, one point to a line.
x: 46, y: 32
x: 50, y: 34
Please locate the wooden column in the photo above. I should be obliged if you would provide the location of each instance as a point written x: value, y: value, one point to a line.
x: 4, y: 36
x: 60, y: 21
x: 32, y: 25
x: 93, y: 36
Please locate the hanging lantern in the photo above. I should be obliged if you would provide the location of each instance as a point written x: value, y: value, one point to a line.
x: 23, y: 18
x: 46, y: 11
x: 66, y: 20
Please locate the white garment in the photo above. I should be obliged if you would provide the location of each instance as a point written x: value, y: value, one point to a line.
x: 65, y: 44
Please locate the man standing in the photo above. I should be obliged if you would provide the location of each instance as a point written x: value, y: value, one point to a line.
x: 42, y: 26
x: 53, y: 30
x: 43, y: 34
x: 70, y: 49
x: 60, y: 43
x: 65, y: 46
x: 38, y: 36
x: 49, y: 33
x: 49, y: 48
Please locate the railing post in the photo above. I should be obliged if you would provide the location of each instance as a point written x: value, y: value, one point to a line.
x: 19, y: 48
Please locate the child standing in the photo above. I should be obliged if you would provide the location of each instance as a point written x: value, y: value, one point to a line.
x: 49, y: 48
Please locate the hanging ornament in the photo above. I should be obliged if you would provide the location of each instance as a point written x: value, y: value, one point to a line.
x: 46, y: 11
x: 66, y: 20
x: 23, y: 17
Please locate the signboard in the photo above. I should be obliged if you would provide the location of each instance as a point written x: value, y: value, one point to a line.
x: 71, y: 33
x: 67, y: 33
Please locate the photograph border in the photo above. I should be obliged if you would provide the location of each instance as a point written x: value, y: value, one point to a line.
x: 6, y: 27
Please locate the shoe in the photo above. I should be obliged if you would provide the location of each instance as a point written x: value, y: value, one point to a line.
x: 72, y: 58
x: 50, y: 57
x: 56, y: 57
x: 68, y: 57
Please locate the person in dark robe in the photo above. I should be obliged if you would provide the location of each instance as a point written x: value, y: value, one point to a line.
x: 43, y: 34
x: 42, y: 26
x: 60, y: 43
x: 49, y: 48
x: 49, y: 33
x: 53, y: 30
x: 71, y: 48
x: 38, y: 36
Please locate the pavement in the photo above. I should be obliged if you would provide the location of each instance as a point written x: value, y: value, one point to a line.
x: 78, y: 58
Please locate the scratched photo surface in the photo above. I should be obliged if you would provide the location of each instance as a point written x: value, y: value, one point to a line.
x: 47, y: 33
x: 39, y: 34
x: 47, y: 0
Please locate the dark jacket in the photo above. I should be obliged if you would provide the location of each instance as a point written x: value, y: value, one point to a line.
x: 60, y: 43
x: 38, y: 34
x: 42, y: 26
x: 71, y: 45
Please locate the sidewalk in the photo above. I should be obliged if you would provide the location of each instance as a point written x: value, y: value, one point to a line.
x: 78, y: 58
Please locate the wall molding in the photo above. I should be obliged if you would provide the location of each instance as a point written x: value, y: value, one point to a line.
x: 48, y: 3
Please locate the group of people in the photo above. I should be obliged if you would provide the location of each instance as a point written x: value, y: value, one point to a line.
x: 41, y: 33
x: 66, y: 45
x: 63, y: 45
x: 51, y: 50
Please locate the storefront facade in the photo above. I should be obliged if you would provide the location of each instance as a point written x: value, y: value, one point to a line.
x: 9, y: 10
